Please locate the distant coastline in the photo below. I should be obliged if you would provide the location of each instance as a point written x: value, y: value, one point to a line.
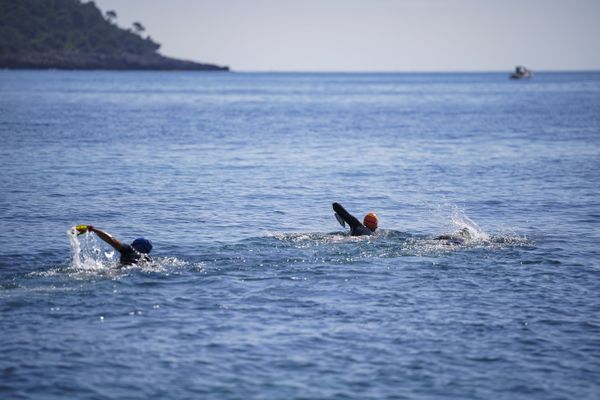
x: 95, y: 61
x: 71, y: 35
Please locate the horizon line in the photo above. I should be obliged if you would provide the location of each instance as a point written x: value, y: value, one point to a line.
x: 257, y: 71
x: 507, y: 71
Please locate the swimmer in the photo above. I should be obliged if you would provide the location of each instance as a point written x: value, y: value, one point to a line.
x: 132, y: 253
x: 368, y: 227
x: 456, y: 238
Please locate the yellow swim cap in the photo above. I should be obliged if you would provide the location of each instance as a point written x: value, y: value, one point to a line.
x: 371, y: 221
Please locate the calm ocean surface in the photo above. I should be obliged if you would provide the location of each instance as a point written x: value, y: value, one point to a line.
x: 255, y: 291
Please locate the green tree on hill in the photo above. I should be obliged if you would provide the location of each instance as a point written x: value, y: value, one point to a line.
x: 111, y: 15
x: 139, y: 28
x: 65, y: 25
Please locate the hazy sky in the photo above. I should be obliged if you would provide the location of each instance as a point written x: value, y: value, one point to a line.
x: 372, y: 35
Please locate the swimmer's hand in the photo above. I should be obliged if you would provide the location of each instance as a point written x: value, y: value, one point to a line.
x: 81, y: 229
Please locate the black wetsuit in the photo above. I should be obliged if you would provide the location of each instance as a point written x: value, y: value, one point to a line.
x: 129, y: 255
x: 356, y: 228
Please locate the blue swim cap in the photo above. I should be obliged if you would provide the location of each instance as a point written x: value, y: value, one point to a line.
x: 142, y: 245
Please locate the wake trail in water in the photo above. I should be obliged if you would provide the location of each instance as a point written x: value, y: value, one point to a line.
x: 88, y: 259
x: 465, y: 234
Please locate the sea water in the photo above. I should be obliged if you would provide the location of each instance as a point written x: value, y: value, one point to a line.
x: 255, y: 291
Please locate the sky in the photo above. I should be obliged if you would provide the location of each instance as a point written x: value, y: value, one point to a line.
x: 372, y: 35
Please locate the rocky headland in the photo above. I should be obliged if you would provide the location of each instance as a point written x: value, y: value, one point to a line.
x: 69, y: 34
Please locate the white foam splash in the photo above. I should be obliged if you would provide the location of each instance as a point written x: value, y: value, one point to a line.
x: 75, y: 248
x: 466, y: 227
x: 89, y: 257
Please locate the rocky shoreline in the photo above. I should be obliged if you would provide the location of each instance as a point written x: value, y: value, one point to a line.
x: 75, y: 60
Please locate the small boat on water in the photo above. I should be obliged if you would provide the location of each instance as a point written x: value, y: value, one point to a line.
x: 521, y: 73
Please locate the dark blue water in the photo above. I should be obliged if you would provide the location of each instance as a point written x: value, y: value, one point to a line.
x: 255, y: 292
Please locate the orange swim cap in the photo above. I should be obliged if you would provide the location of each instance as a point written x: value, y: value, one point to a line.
x: 371, y: 221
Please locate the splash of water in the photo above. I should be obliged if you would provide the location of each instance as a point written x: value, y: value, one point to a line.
x: 86, y: 258
x: 466, y: 227
x: 75, y: 248
x: 89, y: 259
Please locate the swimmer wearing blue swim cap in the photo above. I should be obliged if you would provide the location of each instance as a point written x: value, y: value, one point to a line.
x: 132, y: 253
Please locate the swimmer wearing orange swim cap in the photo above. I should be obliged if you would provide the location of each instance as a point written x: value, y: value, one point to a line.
x: 368, y: 227
x: 371, y: 221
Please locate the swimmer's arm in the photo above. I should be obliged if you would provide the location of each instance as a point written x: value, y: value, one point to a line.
x: 108, y: 238
x: 346, y: 216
